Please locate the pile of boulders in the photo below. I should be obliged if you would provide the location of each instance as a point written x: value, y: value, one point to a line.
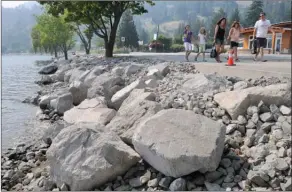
x: 135, y: 124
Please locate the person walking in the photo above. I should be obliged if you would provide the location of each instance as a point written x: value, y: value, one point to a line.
x: 219, y: 37
x: 188, y: 37
x: 233, y: 36
x: 202, y: 36
x: 260, y: 32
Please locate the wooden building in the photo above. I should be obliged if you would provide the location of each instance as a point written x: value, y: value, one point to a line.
x: 280, y: 42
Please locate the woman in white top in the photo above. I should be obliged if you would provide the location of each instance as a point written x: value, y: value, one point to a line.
x: 233, y: 36
x: 202, y: 46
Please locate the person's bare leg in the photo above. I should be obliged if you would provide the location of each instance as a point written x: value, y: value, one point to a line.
x: 204, y: 56
x: 235, y: 53
x: 196, y: 57
x: 186, y: 56
x: 257, y: 53
x: 262, y: 53
x: 218, y: 52
x: 189, y: 52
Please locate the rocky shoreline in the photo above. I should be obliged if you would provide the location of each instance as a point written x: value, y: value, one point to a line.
x: 128, y: 123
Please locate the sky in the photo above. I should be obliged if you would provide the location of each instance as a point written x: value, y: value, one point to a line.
x: 12, y: 4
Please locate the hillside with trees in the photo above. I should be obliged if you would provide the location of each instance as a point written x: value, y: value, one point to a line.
x: 170, y: 16
x: 17, y: 24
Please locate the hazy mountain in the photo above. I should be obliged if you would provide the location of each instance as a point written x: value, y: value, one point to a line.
x: 16, y: 27
x: 17, y: 22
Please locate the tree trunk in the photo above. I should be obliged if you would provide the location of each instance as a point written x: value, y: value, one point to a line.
x: 56, y: 53
x: 109, y: 48
x: 109, y: 44
x: 89, y: 46
x: 66, y: 54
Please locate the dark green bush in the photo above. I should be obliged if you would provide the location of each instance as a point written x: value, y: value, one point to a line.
x: 166, y: 42
x: 178, y: 40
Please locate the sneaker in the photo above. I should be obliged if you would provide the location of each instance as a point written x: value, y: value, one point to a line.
x: 205, y: 60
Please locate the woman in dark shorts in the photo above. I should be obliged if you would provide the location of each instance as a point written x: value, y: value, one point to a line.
x: 233, y: 36
x: 219, y: 37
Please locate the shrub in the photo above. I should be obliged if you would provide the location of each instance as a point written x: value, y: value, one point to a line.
x: 165, y: 41
x: 177, y: 48
x: 177, y: 40
x: 144, y: 48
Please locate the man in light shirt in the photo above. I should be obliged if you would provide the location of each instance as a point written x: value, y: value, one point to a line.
x: 261, y: 29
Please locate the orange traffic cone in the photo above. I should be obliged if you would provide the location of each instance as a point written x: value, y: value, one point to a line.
x: 230, y: 59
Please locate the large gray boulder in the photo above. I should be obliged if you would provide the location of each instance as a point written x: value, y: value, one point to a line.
x: 105, y: 85
x: 137, y: 107
x: 76, y: 74
x: 78, y: 91
x: 133, y: 68
x: 67, y: 75
x: 60, y: 74
x: 237, y: 102
x: 154, y: 74
x: 52, y: 131
x: 121, y: 95
x: 202, y: 83
x: 118, y: 71
x: 178, y: 142
x: 51, y: 69
x: 84, y: 157
x: 64, y: 103
x: 45, y: 80
x: 90, y: 110
x: 83, y: 75
x: 96, y: 71
x: 163, y: 68
x: 45, y: 100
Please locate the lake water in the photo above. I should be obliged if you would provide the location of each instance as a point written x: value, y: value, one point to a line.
x: 18, y: 75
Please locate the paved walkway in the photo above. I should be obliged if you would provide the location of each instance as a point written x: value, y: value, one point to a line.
x: 277, y: 65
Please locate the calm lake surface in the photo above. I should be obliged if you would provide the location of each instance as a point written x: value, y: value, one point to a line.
x: 18, y: 75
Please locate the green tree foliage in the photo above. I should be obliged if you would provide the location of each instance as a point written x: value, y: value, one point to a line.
x: 179, y: 33
x: 144, y: 36
x: 103, y: 16
x: 277, y: 11
x: 253, y: 12
x: 16, y: 27
x: 235, y: 16
x: 128, y: 30
x: 216, y: 17
x: 166, y: 42
x: 36, y: 40
x: 52, y: 34
x: 85, y: 36
x: 196, y: 26
x: 288, y: 8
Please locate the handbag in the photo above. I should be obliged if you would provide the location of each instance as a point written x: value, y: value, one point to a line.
x: 213, y: 53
